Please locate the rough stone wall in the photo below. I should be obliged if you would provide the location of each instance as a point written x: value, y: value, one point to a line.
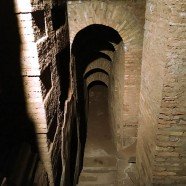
x: 161, y: 135
x: 44, y: 34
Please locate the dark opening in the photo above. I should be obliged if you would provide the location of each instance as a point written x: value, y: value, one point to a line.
x: 58, y: 16
x: 62, y: 63
x: 94, y: 83
x: 52, y: 129
x: 46, y: 82
x: 73, y: 150
x: 59, y: 170
x: 38, y: 23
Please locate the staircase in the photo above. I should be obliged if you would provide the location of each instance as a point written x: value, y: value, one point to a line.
x: 98, y: 171
x: 103, y: 165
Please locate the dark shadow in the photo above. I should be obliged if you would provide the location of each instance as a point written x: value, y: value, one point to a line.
x: 58, y: 15
x: 46, y: 81
x: 73, y: 150
x: 70, y: 145
x: 62, y: 64
x: 89, y: 41
x: 16, y: 129
x: 91, y: 47
x: 94, y: 83
x: 52, y: 129
x: 93, y: 35
x: 59, y: 170
x: 97, y: 55
x: 39, y: 22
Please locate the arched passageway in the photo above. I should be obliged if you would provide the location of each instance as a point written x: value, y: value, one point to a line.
x: 121, y: 49
x: 127, y: 19
x: 98, y: 56
x: 100, y: 151
x: 91, y: 64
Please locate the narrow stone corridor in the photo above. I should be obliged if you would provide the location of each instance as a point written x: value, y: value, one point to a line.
x: 100, y: 154
x: 92, y: 93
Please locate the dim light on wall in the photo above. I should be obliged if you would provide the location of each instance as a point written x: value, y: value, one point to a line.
x: 30, y: 67
x: 22, y: 6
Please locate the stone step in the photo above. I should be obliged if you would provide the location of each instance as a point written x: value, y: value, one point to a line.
x: 99, y: 163
x: 104, y: 178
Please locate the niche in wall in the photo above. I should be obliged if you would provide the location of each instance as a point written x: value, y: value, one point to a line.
x: 62, y: 63
x: 38, y: 24
x: 46, y: 82
x: 58, y: 16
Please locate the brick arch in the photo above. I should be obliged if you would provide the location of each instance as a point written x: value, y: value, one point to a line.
x: 108, y: 53
x: 83, y: 14
x: 97, y: 76
x: 124, y: 80
x: 99, y: 63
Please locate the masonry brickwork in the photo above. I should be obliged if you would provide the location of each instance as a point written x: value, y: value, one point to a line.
x: 161, y: 135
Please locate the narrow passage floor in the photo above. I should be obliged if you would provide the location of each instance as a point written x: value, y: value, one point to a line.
x: 100, y: 154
